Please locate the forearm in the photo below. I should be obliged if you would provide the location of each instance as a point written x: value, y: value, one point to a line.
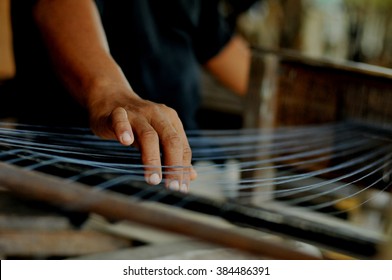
x: 76, y: 42
x: 231, y: 65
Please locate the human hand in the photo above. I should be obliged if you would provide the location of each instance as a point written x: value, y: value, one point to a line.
x: 81, y: 58
x: 150, y: 127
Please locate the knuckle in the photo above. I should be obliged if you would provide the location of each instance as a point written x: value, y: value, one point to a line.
x: 151, y: 159
x: 119, y: 122
x: 155, y: 109
x: 149, y: 134
x: 171, y: 112
x: 152, y: 109
x: 167, y: 110
x: 173, y: 140
x: 187, y: 152
x: 118, y: 110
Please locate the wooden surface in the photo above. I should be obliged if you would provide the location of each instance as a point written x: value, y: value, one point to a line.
x: 30, y: 229
x: 61, y: 243
x: 119, y: 207
x: 289, y: 89
x: 179, y: 250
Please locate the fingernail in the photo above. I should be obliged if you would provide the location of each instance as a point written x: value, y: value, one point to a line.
x: 174, y: 185
x: 184, y: 188
x: 154, y: 179
x: 126, y: 138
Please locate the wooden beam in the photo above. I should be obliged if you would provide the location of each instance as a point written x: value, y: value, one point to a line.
x: 79, y: 197
x: 58, y: 242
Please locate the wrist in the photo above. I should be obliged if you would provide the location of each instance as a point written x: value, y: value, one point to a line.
x: 104, y: 96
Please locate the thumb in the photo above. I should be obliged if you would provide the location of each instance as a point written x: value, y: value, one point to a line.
x: 121, y: 126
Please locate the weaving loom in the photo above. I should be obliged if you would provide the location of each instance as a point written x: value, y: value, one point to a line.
x: 307, y: 166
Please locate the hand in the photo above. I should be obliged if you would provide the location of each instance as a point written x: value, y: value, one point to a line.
x: 148, y: 126
x: 81, y: 56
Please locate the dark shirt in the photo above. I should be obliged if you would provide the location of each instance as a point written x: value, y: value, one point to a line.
x: 159, y: 45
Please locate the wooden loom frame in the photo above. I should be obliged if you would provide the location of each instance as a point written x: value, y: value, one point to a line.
x: 116, y: 206
x: 290, y: 89
x: 287, y: 88
x: 74, y: 197
x: 266, y: 112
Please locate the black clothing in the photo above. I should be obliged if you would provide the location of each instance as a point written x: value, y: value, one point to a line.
x: 158, y: 44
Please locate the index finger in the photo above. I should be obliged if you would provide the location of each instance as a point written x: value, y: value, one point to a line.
x: 149, y: 143
x: 176, y: 150
x: 121, y: 126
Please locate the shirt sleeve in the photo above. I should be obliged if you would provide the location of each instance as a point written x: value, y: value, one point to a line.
x: 213, y: 31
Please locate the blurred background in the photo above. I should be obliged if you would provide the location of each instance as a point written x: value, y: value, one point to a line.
x: 340, y: 30
x: 354, y: 30
x: 357, y: 30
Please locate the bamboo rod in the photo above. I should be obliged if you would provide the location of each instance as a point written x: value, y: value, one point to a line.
x: 76, y: 196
